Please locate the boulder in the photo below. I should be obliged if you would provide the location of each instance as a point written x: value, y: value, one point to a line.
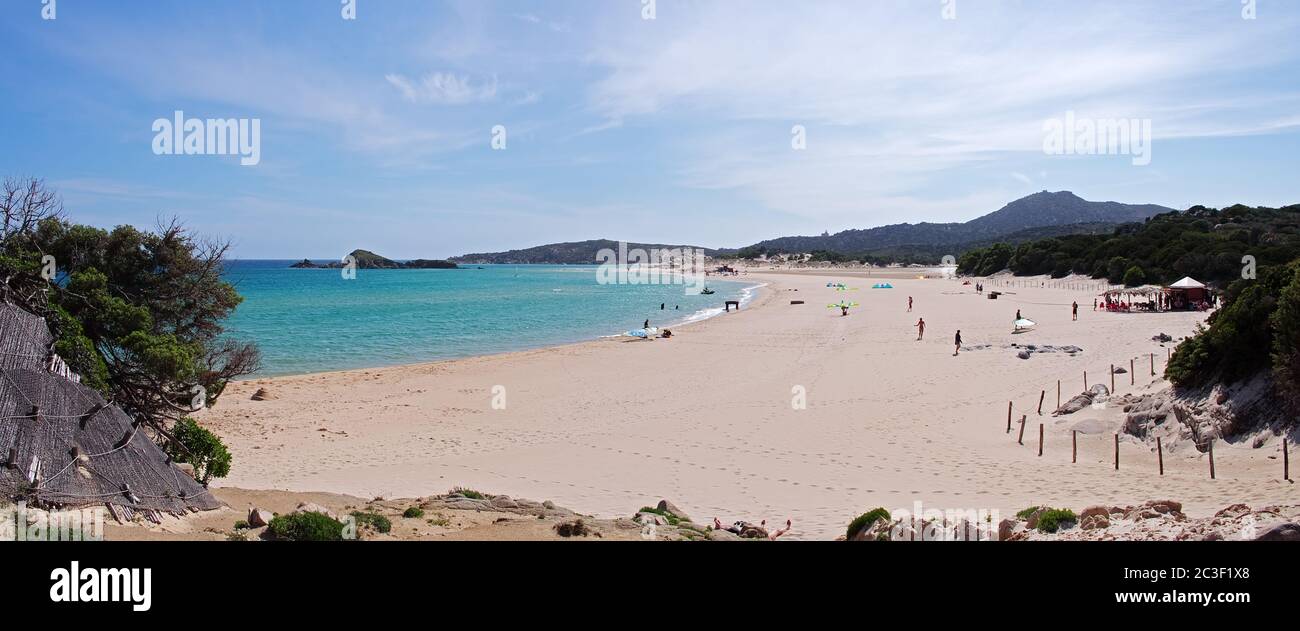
x: 1006, y: 528
x: 1023, y: 354
x: 667, y: 506
x: 309, y: 507
x: 1094, y: 522
x: 650, y: 518
x: 258, y: 518
x: 1095, y: 511
x: 1285, y: 531
x: 723, y: 535
x: 504, y: 502
x: 262, y: 394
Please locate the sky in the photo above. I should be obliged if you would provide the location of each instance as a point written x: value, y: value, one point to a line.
x: 716, y: 123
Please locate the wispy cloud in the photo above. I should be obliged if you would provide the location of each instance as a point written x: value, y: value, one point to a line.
x: 443, y: 88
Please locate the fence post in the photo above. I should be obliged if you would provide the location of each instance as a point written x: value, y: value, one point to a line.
x: 1021, y: 439
x: 1008, y: 417
x: 1112, y: 378
x: 1211, y: 459
x: 1041, y: 395
x: 1132, y: 378
x: 1117, y: 452
x: 1074, y: 445
x: 1040, y: 440
x: 1286, y: 461
x: 1058, y: 394
x: 1085, y: 381
x: 1153, y: 364
x: 1160, y: 455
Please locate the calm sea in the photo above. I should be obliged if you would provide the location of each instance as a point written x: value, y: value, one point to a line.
x: 313, y: 320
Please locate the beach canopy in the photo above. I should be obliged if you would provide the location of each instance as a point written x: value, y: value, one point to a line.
x: 882, y: 286
x: 1188, y: 282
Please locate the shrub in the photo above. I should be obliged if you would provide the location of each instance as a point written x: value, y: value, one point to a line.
x: 1052, y: 519
x: 1134, y: 276
x: 241, y: 525
x: 865, y: 521
x: 1285, y: 323
x: 1026, y: 513
x: 470, y: 493
x: 201, y: 448
x: 414, y: 512
x: 306, y: 527
x: 673, y: 519
x: 376, y: 521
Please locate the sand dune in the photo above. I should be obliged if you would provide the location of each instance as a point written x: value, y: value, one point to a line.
x: 706, y: 418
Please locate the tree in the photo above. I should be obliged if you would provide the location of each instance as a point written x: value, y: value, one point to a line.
x: 1285, y: 323
x: 1134, y: 276
x: 137, y: 313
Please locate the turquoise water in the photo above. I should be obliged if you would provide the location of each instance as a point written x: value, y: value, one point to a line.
x: 312, y: 320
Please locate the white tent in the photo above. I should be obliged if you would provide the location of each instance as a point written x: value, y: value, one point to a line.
x: 1188, y: 282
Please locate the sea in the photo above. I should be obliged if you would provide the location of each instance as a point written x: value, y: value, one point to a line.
x: 316, y: 320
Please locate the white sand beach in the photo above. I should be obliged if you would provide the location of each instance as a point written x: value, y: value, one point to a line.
x: 706, y: 418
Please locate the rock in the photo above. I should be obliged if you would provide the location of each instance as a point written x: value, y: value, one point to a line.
x: 1023, y: 354
x: 723, y: 535
x: 1005, y: 529
x: 309, y: 507
x: 548, y: 505
x: 1286, y: 531
x: 1165, y: 506
x: 650, y: 518
x: 1121, y: 371
x: 502, y: 501
x: 262, y: 394
x: 1162, y: 337
x: 1234, y: 511
x: 667, y: 506
x: 1094, y: 522
x: 1099, y: 390
x: 1095, y: 511
x: 623, y: 523
x: 258, y: 518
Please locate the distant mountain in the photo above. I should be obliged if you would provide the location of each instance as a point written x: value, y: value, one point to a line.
x: 576, y: 253
x: 1037, y: 216
x: 365, y: 259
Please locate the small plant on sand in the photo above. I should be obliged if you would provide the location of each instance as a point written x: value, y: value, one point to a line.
x: 1028, y: 512
x: 376, y: 521
x: 673, y: 520
x: 865, y: 521
x: 241, y: 525
x: 440, y: 521
x: 414, y: 512
x: 470, y: 493
x: 1052, y: 519
x: 306, y: 527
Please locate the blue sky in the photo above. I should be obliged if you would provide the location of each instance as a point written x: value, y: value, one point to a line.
x: 376, y: 132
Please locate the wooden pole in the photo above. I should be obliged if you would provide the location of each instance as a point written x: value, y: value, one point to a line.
x: 1112, y: 378
x: 1040, y: 440
x: 1286, y: 461
x: 1008, y: 417
x: 1021, y: 439
x: 1160, y: 455
x: 1153, y: 364
x: 1058, y: 394
x: 1211, y: 459
x: 1074, y: 445
x: 1085, y: 381
x: 1117, y: 452
x: 1132, y: 378
x: 1041, y: 395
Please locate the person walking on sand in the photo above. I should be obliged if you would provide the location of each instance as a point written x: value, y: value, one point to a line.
x: 957, y: 341
x: 1076, y: 310
x: 920, y: 329
x: 909, y: 304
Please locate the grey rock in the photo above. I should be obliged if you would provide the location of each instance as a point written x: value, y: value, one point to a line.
x: 258, y: 518
x: 665, y: 505
x: 1285, y: 531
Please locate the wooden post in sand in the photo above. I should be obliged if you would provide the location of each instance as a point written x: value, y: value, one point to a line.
x: 1021, y: 439
x: 1286, y: 461
x: 1112, y: 378
x: 1160, y: 455
x: 1153, y: 364
x: 1058, y: 394
x: 1085, y: 381
x: 1211, y: 459
x: 1117, y: 452
x: 1074, y: 446
x: 1040, y: 440
x: 1042, y: 394
x: 1132, y: 378
x: 1008, y: 417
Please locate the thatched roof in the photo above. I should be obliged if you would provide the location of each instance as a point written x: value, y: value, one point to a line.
x: 1145, y: 290
x: 61, y: 444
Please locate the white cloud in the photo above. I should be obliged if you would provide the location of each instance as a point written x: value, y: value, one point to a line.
x: 440, y: 88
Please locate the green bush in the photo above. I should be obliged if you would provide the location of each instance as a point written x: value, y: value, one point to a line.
x: 376, y: 521
x: 1026, y: 513
x: 673, y: 519
x: 1285, y: 323
x: 202, y: 448
x: 865, y: 521
x: 414, y: 512
x: 1052, y: 519
x: 241, y: 525
x: 1134, y: 276
x: 306, y: 527
x: 470, y: 493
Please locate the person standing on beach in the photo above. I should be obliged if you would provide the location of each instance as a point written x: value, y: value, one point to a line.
x: 920, y: 329
x: 1017, y: 314
x: 1076, y: 310
x: 647, y: 324
x: 957, y: 341
x: 909, y: 304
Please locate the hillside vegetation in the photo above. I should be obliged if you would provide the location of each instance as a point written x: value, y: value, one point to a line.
x: 1204, y: 243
